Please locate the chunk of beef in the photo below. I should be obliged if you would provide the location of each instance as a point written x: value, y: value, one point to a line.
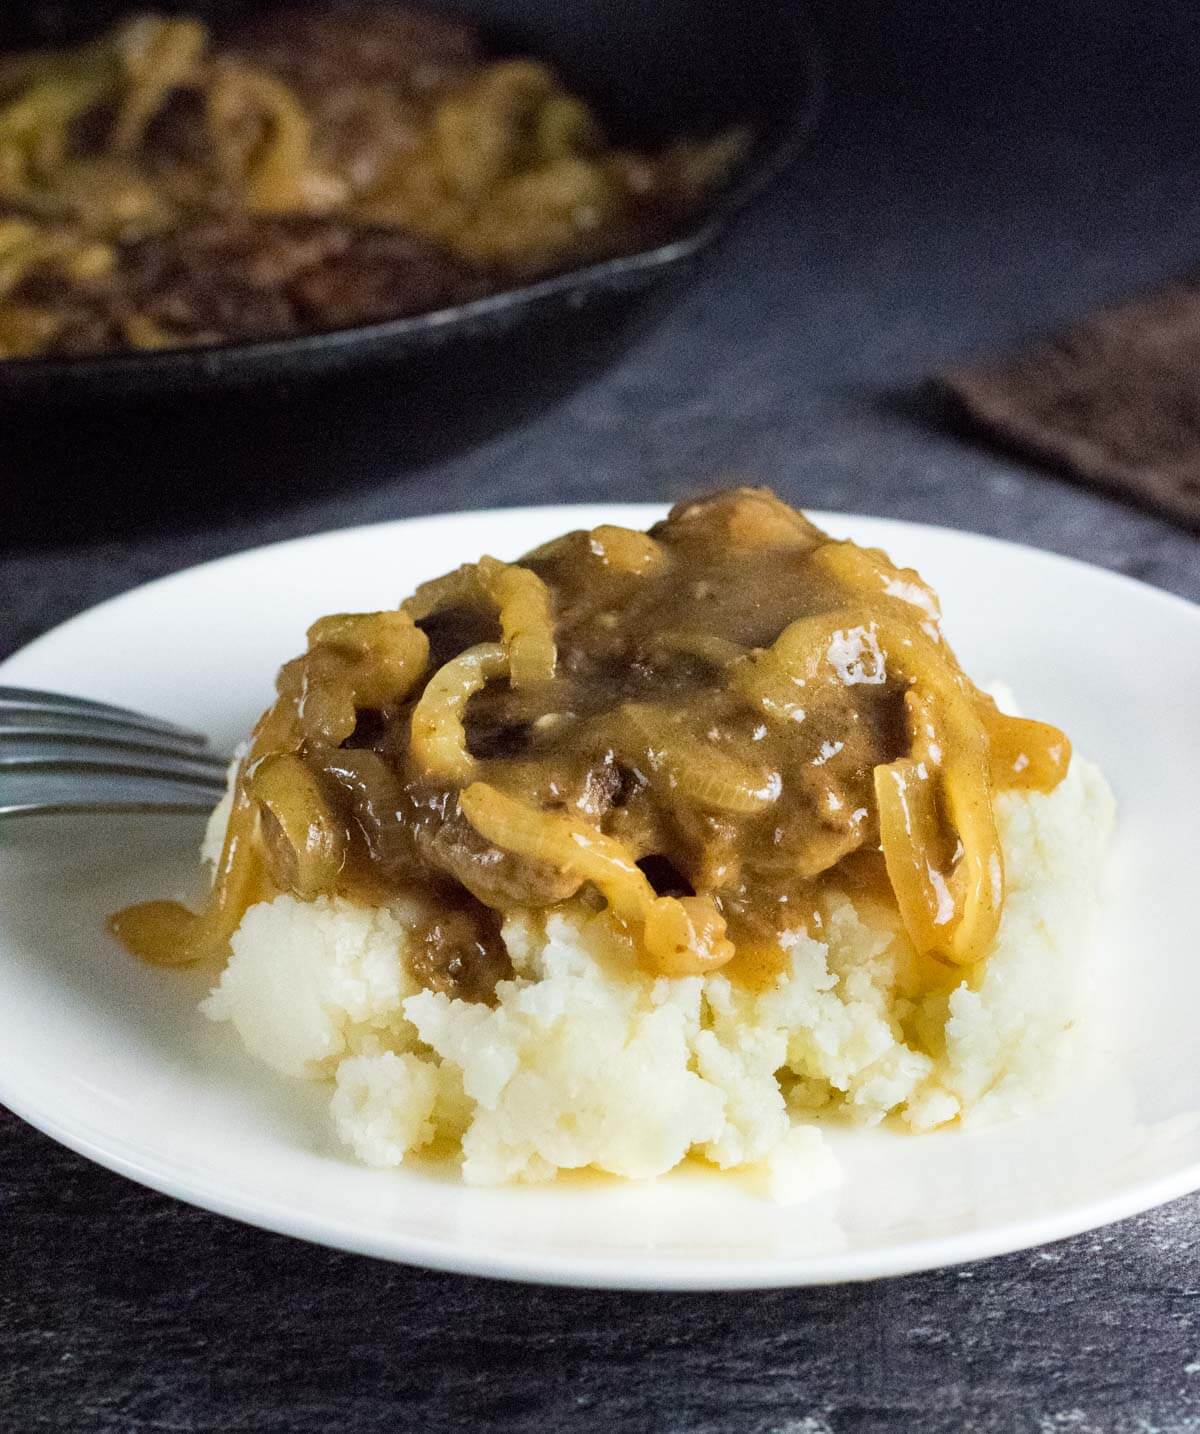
x: 460, y: 952
x: 218, y: 281
x: 495, y: 877
x: 381, y: 275
x: 252, y: 278
x: 366, y: 74
x: 322, y: 46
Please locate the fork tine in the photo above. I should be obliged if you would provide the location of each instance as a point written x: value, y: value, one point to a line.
x: 69, y: 754
x: 24, y: 702
x: 33, y: 793
x: 48, y: 732
x: 200, y: 768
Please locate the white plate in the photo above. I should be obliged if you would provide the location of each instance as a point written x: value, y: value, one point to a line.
x: 112, y: 1059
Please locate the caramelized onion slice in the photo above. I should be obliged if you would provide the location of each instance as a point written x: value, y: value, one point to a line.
x: 35, y: 123
x: 481, y: 131
x: 870, y: 573
x: 685, y: 936
x: 938, y: 830
x: 940, y: 796
x: 842, y: 647
x: 748, y: 518
x: 561, y: 841
x: 23, y: 246
x: 354, y: 660
x: 522, y: 601
x: 626, y: 550
x: 700, y: 771
x: 168, y: 934
x: 439, y: 740
x: 681, y: 936
x: 279, y: 174
x: 386, y: 652
x: 158, y: 55
x: 565, y: 126
x: 948, y: 736
x: 526, y: 620
x: 305, y: 841
x: 1024, y: 755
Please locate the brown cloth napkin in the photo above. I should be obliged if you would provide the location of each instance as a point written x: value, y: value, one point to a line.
x: 1114, y: 400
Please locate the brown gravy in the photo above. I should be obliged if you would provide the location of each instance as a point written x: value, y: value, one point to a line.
x: 710, y: 724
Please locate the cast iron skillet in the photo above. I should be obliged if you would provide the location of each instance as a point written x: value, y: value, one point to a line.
x: 655, y: 69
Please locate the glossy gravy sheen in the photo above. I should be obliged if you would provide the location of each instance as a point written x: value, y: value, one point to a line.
x: 726, y: 705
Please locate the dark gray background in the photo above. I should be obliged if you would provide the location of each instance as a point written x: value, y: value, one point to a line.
x: 984, y: 170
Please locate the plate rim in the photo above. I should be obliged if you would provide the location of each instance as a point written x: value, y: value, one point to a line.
x: 650, y: 1272
x: 653, y: 1273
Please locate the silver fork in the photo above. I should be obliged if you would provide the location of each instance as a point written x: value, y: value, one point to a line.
x: 67, y: 754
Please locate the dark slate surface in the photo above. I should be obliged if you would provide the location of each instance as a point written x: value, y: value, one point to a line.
x: 982, y: 174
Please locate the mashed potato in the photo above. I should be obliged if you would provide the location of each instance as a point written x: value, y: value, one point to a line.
x: 586, y: 1062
